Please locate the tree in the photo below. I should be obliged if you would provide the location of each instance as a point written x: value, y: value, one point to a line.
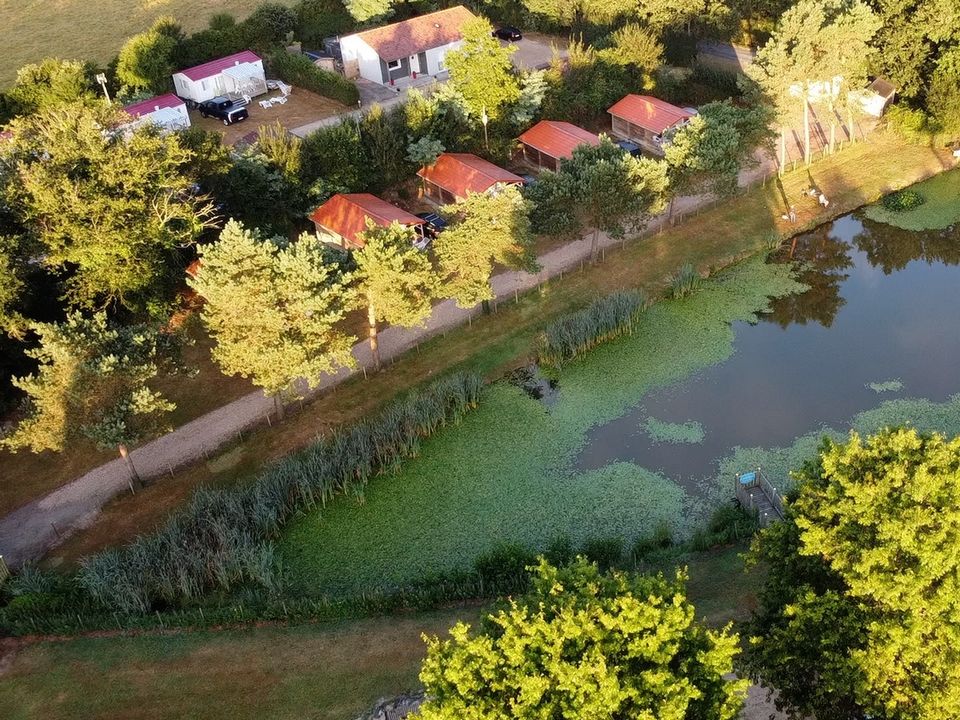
x: 638, y: 47
x: 92, y: 382
x: 533, y: 88
x: 424, y: 151
x: 366, y: 11
x: 943, y: 98
x: 270, y: 23
x: 706, y: 154
x: 858, y: 614
x: 147, y: 60
x: 11, y: 286
x: 49, y: 84
x: 490, y: 228
x: 582, y: 644
x: 482, y: 72
x: 108, y: 208
x: 614, y: 191
x: 394, y: 280
x: 273, y: 309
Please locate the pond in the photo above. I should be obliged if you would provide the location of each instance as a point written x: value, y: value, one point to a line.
x: 881, y: 320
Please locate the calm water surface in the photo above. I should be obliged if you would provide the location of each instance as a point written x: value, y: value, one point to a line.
x: 884, y: 305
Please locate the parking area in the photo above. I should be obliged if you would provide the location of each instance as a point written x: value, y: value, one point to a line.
x: 302, y: 107
x: 535, y: 51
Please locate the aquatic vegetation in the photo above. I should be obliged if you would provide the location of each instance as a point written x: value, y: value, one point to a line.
x: 886, y: 386
x: 940, y: 208
x: 662, y: 431
x: 685, y: 281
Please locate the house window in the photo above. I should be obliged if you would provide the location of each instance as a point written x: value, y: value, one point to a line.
x: 203, y: 85
x: 393, y: 65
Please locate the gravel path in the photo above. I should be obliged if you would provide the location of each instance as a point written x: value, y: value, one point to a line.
x: 30, y: 531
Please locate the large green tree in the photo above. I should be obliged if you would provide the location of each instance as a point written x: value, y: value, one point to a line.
x: 110, y: 209
x: 49, y: 84
x: 394, y: 281
x: 92, y: 381
x: 147, y: 60
x: 366, y: 11
x: 489, y: 228
x: 943, y: 98
x: 482, y: 72
x: 859, y: 615
x: 582, y: 644
x: 273, y: 310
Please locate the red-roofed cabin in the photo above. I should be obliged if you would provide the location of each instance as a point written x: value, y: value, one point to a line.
x: 168, y: 111
x: 455, y: 175
x: 647, y: 121
x: 550, y: 141
x: 341, y: 219
x: 232, y: 76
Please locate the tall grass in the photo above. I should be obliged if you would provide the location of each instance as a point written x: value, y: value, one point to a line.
x: 222, y: 538
x: 605, y: 319
x: 685, y: 281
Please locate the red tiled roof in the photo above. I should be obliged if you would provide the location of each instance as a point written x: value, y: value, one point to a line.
x: 649, y: 113
x: 463, y: 173
x: 346, y: 215
x: 215, y: 67
x: 409, y: 37
x: 557, y: 139
x: 145, y: 107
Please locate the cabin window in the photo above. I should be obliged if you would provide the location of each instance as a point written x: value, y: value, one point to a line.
x: 393, y: 65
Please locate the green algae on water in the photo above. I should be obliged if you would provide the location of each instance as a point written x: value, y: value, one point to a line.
x: 886, y: 386
x: 659, y: 431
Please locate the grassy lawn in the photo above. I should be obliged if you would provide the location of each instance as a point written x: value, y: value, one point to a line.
x: 507, y: 472
x: 856, y: 176
x: 300, y: 672
x: 75, y: 29
x: 941, y: 209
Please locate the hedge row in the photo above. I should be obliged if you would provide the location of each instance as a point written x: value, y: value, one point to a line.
x: 222, y: 538
x: 605, y: 319
x: 299, y: 70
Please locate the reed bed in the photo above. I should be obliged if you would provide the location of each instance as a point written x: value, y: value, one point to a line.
x: 223, y: 537
x: 605, y: 319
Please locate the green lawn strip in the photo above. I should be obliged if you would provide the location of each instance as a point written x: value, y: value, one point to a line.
x: 940, y: 210
x: 925, y: 415
x: 314, y: 671
x: 506, y: 472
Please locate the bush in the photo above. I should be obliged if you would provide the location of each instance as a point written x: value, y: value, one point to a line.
x: 560, y: 551
x: 729, y: 523
x: 684, y: 282
x: 903, y: 201
x: 605, y: 552
x: 299, y: 70
x: 722, y: 80
x: 661, y: 539
x: 605, y: 319
x: 221, y: 538
x: 910, y: 123
x: 319, y: 19
x: 504, y: 565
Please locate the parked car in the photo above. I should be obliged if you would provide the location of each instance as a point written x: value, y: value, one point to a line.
x: 223, y: 109
x: 629, y: 147
x: 528, y: 180
x: 434, y: 223
x: 508, y: 32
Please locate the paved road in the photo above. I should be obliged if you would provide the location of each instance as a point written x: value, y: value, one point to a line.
x: 30, y: 531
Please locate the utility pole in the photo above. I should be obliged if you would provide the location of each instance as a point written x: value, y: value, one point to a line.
x: 485, y: 119
x: 102, y: 79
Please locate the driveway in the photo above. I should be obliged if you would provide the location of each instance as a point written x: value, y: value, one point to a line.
x: 535, y: 51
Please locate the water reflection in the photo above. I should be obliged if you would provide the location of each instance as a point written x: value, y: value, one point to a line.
x: 882, y: 306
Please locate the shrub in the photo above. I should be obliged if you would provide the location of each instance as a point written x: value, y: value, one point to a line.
x: 661, y: 539
x: 722, y: 80
x: 684, y: 282
x: 605, y: 552
x: 222, y: 537
x: 729, y: 523
x: 299, y: 70
x: 560, y: 551
x: 504, y: 565
x: 910, y: 123
x: 605, y: 319
x: 903, y: 201
x: 318, y: 19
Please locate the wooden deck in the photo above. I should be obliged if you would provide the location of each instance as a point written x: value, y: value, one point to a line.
x: 757, y: 494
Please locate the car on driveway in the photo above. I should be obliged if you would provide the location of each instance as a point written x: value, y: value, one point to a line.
x: 433, y: 226
x: 508, y: 33
x: 223, y: 109
x: 629, y: 147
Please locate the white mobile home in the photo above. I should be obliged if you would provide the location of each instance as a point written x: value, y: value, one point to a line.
x: 233, y: 76
x: 167, y: 111
x: 405, y: 49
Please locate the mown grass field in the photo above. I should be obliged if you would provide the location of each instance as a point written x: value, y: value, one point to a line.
x: 739, y: 226
x: 84, y: 30
x: 317, y: 672
x: 507, y: 472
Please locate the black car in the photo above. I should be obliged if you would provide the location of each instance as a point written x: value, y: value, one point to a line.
x: 223, y: 109
x: 629, y: 147
x: 433, y: 224
x: 508, y: 32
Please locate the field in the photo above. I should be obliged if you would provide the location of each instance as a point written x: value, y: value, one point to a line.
x: 320, y: 672
x: 74, y: 29
x: 501, y: 341
x: 507, y: 472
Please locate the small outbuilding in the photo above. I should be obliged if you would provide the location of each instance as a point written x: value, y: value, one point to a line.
x: 455, y: 175
x: 647, y: 121
x: 877, y: 96
x: 341, y: 219
x: 233, y: 76
x: 168, y: 111
x: 406, y: 49
x: 550, y: 141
